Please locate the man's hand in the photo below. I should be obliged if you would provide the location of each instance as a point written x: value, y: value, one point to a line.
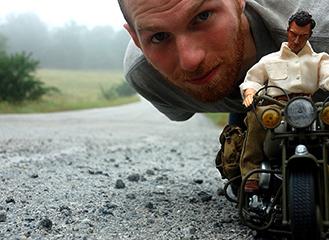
x: 248, y: 96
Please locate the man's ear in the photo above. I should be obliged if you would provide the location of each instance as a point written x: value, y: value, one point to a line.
x: 133, y: 34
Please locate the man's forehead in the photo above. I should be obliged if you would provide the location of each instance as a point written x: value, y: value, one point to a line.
x: 159, y: 2
x: 294, y: 27
x: 144, y: 12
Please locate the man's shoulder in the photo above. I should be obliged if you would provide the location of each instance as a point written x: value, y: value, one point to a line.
x: 133, y: 58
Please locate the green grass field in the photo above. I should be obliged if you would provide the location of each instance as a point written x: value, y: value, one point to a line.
x: 78, y: 90
x: 220, y: 119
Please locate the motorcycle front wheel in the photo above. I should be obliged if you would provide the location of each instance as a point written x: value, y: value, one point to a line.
x: 302, y: 204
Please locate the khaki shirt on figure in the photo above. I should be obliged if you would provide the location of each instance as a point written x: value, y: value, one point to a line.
x: 305, y: 72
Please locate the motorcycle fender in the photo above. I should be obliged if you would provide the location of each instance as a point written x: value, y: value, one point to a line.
x: 307, y: 159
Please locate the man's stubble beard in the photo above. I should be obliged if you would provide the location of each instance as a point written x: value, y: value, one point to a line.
x: 223, y: 84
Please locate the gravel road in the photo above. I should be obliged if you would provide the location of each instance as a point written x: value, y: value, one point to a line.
x: 116, y: 173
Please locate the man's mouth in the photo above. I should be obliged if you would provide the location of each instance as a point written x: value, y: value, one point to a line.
x: 204, y: 79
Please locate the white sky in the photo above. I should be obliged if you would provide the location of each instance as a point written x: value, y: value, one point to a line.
x: 56, y: 12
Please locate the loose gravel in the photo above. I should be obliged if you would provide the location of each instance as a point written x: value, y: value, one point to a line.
x: 119, y: 173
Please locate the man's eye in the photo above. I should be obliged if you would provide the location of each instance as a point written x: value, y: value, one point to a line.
x: 203, y: 16
x: 159, y: 37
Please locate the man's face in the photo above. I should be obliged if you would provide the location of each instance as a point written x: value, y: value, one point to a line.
x: 196, y: 44
x: 298, y: 36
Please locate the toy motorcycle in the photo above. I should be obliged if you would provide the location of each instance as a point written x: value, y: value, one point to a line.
x: 293, y: 199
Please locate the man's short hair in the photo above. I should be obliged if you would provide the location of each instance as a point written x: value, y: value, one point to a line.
x: 302, y: 18
x: 122, y: 5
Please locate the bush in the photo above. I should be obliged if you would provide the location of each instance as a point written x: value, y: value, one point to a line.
x: 125, y: 90
x: 121, y: 90
x: 108, y: 94
x: 17, y: 82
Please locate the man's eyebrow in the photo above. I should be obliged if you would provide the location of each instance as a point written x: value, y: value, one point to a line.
x: 294, y: 32
x: 147, y: 28
x: 195, y: 6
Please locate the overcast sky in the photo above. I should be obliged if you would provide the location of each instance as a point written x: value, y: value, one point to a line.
x: 57, y: 12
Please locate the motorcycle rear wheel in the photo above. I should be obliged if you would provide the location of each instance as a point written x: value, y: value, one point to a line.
x: 302, y: 204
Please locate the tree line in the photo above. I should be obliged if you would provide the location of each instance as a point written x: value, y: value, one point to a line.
x: 71, y: 46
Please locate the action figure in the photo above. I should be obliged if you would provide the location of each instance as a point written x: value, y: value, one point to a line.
x: 297, y: 69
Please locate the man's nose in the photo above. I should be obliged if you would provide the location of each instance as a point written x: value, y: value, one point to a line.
x: 296, y: 41
x: 189, y: 52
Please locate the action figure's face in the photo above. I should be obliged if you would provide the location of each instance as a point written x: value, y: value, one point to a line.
x: 197, y: 45
x: 298, y: 36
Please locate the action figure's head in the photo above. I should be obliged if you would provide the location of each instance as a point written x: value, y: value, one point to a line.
x: 299, y: 30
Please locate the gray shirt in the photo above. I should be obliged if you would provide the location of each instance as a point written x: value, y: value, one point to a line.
x: 268, y: 22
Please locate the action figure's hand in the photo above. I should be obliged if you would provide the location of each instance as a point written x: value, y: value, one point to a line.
x: 248, y: 96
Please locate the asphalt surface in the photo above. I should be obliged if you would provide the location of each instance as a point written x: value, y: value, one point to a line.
x: 115, y: 173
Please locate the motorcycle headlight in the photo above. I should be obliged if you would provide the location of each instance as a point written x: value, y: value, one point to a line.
x: 300, y: 112
x: 271, y: 118
x: 324, y: 115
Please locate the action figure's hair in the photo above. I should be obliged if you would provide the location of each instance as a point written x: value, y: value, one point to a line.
x: 122, y: 5
x: 302, y: 18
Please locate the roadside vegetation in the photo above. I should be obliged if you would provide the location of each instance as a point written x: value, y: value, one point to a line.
x: 18, y: 82
x: 31, y: 51
x: 71, y: 49
x: 76, y: 89
x: 219, y: 119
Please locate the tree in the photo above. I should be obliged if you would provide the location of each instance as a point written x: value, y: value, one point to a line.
x: 66, y: 49
x: 17, y: 82
x: 96, y: 44
x: 3, y: 44
x: 71, y: 47
x: 26, y: 32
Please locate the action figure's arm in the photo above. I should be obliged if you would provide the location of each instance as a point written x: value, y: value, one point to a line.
x: 255, y: 79
x: 324, y: 72
x: 248, y: 96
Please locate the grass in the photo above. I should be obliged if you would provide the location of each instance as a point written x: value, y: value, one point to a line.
x: 219, y: 119
x: 78, y: 90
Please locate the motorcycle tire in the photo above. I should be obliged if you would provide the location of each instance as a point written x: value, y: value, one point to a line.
x: 302, y: 204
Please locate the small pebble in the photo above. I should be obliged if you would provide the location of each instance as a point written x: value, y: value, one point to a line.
x: 10, y: 200
x: 134, y: 177
x: 46, y: 223
x: 35, y: 175
x: 3, y: 216
x: 120, y: 184
x: 205, y: 197
x: 150, y: 205
x: 105, y: 211
x: 150, y: 172
x: 131, y: 196
x: 193, y: 230
x: 193, y: 200
x: 198, y: 181
x: 93, y: 172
